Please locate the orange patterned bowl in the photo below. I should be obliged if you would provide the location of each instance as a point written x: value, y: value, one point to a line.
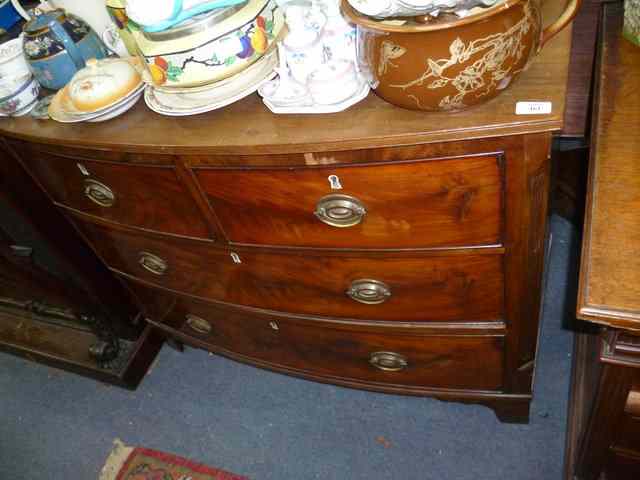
x: 451, y: 66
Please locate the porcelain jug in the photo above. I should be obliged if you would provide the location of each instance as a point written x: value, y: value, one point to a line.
x: 57, y: 45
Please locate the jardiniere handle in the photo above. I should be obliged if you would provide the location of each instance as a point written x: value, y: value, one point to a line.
x: 570, y: 11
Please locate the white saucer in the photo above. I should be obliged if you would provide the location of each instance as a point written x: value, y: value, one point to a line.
x: 307, y: 108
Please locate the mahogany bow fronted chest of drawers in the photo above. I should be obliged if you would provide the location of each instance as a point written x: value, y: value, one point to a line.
x: 378, y: 248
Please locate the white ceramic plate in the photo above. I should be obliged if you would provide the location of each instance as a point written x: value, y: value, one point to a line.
x: 218, y: 96
x: 124, y: 106
x: 153, y: 104
x: 61, y: 115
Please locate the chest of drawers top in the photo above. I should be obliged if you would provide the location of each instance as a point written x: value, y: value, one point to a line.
x: 248, y: 127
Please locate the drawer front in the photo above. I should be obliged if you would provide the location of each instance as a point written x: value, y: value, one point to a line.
x: 454, y: 202
x: 141, y: 196
x: 367, y: 354
x: 399, y: 287
x: 628, y: 435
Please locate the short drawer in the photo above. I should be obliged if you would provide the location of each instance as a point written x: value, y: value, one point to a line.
x: 369, y: 354
x: 429, y: 203
x: 628, y: 434
x: 149, y: 197
x: 398, y: 287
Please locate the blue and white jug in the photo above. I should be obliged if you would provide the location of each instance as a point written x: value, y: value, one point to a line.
x: 57, y: 45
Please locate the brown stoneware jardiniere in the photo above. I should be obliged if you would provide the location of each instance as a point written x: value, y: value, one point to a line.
x: 454, y: 65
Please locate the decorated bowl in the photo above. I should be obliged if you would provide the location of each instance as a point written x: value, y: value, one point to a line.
x: 445, y: 66
x: 18, y: 102
x: 212, y: 46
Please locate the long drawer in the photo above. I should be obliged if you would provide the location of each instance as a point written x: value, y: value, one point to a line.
x: 389, y: 287
x: 148, y: 197
x: 428, y: 203
x: 369, y: 354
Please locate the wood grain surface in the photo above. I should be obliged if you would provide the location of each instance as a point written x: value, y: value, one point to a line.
x: 344, y: 351
x: 423, y: 288
x: 147, y: 197
x: 610, y: 271
x: 443, y: 203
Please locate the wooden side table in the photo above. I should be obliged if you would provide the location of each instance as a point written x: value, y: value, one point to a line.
x: 604, y: 425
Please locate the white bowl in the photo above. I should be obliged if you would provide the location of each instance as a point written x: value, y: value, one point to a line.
x: 25, y: 96
x: 13, y: 65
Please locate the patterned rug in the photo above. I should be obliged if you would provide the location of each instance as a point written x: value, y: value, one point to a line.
x: 136, y: 463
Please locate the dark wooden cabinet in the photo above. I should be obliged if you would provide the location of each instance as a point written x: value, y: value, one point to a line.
x: 58, y: 303
x: 377, y: 248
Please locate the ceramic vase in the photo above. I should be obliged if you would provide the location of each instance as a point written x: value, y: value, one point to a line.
x: 451, y: 66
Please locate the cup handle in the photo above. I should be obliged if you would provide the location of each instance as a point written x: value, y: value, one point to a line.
x: 570, y: 11
x: 109, y: 36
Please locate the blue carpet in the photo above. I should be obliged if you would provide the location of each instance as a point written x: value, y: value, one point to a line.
x: 57, y: 425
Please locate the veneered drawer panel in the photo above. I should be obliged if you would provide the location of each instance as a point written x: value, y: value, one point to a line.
x: 452, y: 202
x: 347, y: 352
x: 431, y: 287
x: 147, y: 197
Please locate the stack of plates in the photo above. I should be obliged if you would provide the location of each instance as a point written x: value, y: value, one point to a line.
x: 191, y: 101
x: 62, y: 108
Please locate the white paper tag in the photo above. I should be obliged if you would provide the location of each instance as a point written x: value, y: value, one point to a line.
x: 83, y: 170
x: 534, y: 108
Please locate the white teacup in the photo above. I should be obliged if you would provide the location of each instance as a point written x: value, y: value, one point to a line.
x: 303, y: 47
x: 333, y: 82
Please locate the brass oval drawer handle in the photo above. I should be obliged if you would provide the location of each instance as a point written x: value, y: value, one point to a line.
x: 152, y: 263
x: 340, y: 210
x: 370, y: 292
x: 388, y: 361
x: 198, y: 324
x: 99, y: 193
